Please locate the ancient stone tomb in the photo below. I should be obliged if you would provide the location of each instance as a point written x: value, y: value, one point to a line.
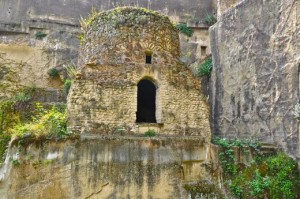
x: 130, y: 79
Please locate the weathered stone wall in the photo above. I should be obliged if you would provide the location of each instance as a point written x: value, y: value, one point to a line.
x: 129, y: 168
x: 255, y: 80
x: 103, y: 98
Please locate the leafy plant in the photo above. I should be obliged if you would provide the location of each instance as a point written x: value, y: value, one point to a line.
x: 206, y: 68
x: 210, y: 19
x: 40, y: 35
x: 53, y: 72
x: 226, y: 156
x: 15, y: 163
x: 150, y: 133
x: 259, y: 185
x: 184, y: 29
x: 284, y: 177
x: 50, y: 123
x: 236, y: 190
x: 22, y: 97
x: 275, y: 176
x: 13, y: 110
x: 67, y: 85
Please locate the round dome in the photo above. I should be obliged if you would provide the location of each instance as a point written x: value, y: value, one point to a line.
x: 128, y: 35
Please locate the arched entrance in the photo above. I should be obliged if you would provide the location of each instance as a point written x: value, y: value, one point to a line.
x: 146, y: 106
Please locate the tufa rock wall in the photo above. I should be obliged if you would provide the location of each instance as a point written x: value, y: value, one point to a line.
x: 21, y: 21
x: 224, y: 5
x: 26, y: 57
x: 255, y: 80
x: 68, y: 11
x: 95, y: 168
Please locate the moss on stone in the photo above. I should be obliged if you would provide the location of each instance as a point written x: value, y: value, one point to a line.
x: 113, y: 16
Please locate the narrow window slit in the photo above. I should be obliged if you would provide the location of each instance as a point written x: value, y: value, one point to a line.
x: 148, y: 59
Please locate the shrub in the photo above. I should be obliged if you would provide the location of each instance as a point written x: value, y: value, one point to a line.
x: 22, y: 97
x: 184, y: 29
x: 53, y: 72
x: 9, y: 116
x: 50, y: 123
x: 205, y: 68
x: 284, y: 177
x: 40, y: 35
x: 276, y: 176
x: 259, y: 185
x: 67, y: 85
x: 210, y: 19
x: 150, y: 133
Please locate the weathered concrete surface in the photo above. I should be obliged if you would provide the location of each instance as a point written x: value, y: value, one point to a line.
x: 117, y: 168
x: 255, y: 80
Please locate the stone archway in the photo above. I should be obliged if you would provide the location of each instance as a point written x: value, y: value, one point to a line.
x: 146, y: 102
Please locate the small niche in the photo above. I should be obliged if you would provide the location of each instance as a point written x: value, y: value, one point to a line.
x: 203, y: 51
x: 148, y: 54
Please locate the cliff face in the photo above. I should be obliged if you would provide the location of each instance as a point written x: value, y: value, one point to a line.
x: 255, y: 81
x: 125, y: 168
x: 70, y: 11
x: 36, y: 36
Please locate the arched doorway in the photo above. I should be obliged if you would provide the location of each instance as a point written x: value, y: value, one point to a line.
x: 146, y: 106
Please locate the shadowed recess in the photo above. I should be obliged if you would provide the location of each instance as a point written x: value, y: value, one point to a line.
x: 146, y: 102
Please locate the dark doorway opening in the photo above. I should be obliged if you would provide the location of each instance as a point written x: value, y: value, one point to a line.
x: 146, y: 102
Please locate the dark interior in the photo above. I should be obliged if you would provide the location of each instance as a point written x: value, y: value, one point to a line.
x: 146, y: 102
x: 148, y: 59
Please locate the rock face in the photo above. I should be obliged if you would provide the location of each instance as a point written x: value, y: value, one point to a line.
x: 119, y: 169
x: 29, y: 48
x: 255, y: 80
x: 16, y: 11
x: 224, y: 5
x: 122, y: 49
x: 41, y: 35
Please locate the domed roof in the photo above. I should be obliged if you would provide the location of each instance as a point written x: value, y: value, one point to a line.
x: 125, y: 35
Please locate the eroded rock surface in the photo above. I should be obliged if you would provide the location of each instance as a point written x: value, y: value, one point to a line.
x: 255, y: 81
x: 117, y: 168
